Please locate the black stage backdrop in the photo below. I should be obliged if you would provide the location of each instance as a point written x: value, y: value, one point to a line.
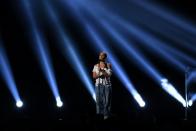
x: 79, y: 107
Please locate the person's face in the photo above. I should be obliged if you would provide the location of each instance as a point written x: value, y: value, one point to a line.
x: 102, y: 56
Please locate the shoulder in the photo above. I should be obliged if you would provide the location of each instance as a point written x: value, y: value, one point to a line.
x: 96, y: 65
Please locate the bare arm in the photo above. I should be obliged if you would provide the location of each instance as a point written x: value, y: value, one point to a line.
x: 95, y: 75
x: 96, y: 72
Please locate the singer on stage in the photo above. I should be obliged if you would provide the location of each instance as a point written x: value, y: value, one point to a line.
x: 101, y: 73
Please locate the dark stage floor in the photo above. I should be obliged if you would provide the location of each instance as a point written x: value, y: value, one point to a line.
x: 94, y: 123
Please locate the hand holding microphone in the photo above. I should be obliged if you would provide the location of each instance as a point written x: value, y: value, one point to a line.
x: 102, y: 72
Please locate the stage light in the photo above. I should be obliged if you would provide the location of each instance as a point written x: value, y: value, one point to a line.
x: 140, y: 100
x: 190, y: 102
x: 172, y: 91
x: 7, y: 75
x: 68, y: 49
x: 41, y: 50
x: 19, y: 103
x: 94, y: 96
x: 59, y: 103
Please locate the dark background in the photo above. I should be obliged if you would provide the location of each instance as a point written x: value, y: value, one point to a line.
x: 39, y: 103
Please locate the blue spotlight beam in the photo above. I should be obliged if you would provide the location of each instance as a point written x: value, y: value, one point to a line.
x: 80, y: 68
x: 44, y: 58
x: 141, y: 60
x: 169, y: 16
x: 41, y: 50
x: 67, y: 48
x: 160, y: 45
x: 193, y: 98
x: 7, y: 75
x: 131, y: 50
x: 172, y: 91
x: 116, y: 66
x: 170, y: 31
x: 144, y: 37
x: 151, y: 19
x: 176, y: 53
x: 192, y: 77
x: 167, y: 32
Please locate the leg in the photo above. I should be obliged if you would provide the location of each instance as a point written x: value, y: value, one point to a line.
x: 99, y: 100
x: 108, y: 98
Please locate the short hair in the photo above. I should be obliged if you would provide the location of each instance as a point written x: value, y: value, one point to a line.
x: 105, y: 54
